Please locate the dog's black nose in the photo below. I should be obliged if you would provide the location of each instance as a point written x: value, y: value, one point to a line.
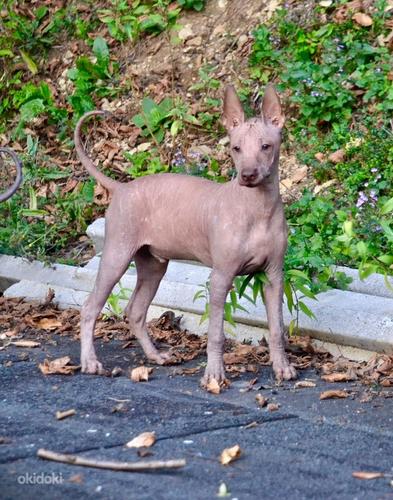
x: 249, y: 175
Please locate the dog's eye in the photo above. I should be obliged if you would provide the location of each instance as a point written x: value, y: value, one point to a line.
x: 265, y: 147
x: 236, y: 148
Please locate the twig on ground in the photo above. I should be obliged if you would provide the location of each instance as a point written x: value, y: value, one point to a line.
x: 105, y: 464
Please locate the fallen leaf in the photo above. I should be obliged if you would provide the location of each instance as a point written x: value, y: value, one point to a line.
x: 300, y: 174
x: 141, y: 374
x: 26, y: 343
x: 228, y: 455
x: 261, y: 400
x: 337, y: 377
x: 144, y: 440
x: 213, y: 386
x: 273, y: 406
x: 58, y: 366
x: 367, y: 475
x: 338, y: 156
x: 304, y: 384
x: 48, y: 324
x: 333, y: 394
x: 319, y: 156
x: 362, y: 19
x: 223, y: 491
x: 116, y: 372
x: 76, y: 478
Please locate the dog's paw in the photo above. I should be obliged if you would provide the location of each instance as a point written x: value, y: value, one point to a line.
x: 283, y: 369
x: 92, y: 366
x: 159, y: 357
x: 214, y: 370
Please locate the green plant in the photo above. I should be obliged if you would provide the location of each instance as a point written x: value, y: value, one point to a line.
x: 127, y: 21
x: 154, y: 119
x: 144, y: 163
x: 92, y: 78
x: 324, y: 67
x: 192, y: 4
x: 353, y: 243
x: 113, y: 307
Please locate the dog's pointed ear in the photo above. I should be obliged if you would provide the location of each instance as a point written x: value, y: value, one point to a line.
x: 233, y: 114
x: 271, y: 108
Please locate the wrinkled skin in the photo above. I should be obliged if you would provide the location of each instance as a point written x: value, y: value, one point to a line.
x: 235, y: 228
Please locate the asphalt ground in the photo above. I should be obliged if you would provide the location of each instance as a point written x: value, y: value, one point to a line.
x: 308, y: 448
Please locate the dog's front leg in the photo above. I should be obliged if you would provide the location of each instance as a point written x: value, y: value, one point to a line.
x: 273, y: 292
x: 220, y: 283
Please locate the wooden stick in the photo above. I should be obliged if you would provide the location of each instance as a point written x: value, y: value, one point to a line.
x: 60, y: 415
x: 105, y: 464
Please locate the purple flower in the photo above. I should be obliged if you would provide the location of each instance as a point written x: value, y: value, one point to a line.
x: 374, y: 170
x: 362, y: 199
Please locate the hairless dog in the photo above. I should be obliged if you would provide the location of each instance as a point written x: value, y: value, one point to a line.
x: 18, y: 179
x: 235, y: 228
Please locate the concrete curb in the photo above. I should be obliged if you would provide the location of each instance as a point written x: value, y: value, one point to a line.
x: 373, y: 285
x: 342, y: 317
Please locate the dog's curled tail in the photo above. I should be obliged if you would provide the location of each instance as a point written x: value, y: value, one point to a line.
x: 108, y: 183
x: 18, y: 179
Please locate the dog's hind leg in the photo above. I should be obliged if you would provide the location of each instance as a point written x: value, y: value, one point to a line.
x: 115, y: 259
x: 150, y: 272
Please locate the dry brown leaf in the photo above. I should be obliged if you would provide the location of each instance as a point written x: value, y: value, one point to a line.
x: 141, y: 374
x: 26, y: 343
x: 319, y: 156
x: 362, y: 19
x: 144, y: 440
x: 58, y: 366
x: 367, y: 475
x: 228, y: 455
x: 48, y: 324
x: 333, y: 394
x: 261, y: 400
x: 213, y: 386
x: 337, y: 157
x: 76, y: 478
x: 300, y: 174
x: 304, y: 384
x: 337, y: 377
x: 273, y: 406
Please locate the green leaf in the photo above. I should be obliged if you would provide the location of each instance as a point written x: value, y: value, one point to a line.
x: 362, y: 249
x: 244, y: 284
x: 386, y: 259
x: 228, y: 314
x: 306, y: 310
x: 100, y: 49
x: 297, y: 273
x: 148, y: 105
x: 26, y: 212
x: 6, y: 53
x: 387, y: 230
x: 348, y: 228
x: 31, y: 65
x: 289, y: 295
x: 387, y: 207
x: 175, y: 127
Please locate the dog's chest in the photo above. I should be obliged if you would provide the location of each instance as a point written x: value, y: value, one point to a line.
x: 263, y: 244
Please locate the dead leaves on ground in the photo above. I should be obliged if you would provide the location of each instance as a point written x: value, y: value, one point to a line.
x: 144, y: 440
x: 19, y: 318
x: 228, y: 455
x: 333, y: 394
x: 59, y: 366
x: 140, y: 374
